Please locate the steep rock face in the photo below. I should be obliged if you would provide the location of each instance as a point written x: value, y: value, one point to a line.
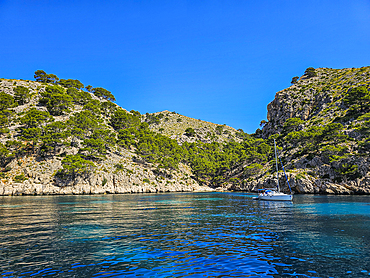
x: 327, y: 144
x: 313, y: 99
x: 131, y: 178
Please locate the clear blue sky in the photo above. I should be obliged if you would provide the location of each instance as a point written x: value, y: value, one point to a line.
x: 218, y: 61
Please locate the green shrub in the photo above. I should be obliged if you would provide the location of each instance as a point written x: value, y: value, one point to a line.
x: 119, y: 167
x: 19, y: 178
x: 348, y: 170
x: 190, y: 132
x: 6, y: 101
x: 21, y: 94
x: 104, y: 182
x: 219, y: 129
x: 253, y: 169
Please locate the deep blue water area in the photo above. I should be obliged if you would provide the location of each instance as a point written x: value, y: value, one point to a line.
x: 184, y: 235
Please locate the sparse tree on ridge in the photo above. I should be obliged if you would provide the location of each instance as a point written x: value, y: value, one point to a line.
x: 294, y: 80
x: 262, y: 123
x: 103, y: 93
x: 89, y: 88
x: 42, y: 76
x: 71, y: 83
x: 310, y: 72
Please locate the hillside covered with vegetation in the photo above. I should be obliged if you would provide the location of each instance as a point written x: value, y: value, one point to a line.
x: 321, y: 123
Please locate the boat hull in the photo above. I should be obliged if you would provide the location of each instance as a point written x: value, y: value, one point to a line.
x: 276, y: 198
x: 272, y: 195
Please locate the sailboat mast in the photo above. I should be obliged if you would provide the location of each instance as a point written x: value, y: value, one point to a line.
x: 277, y: 169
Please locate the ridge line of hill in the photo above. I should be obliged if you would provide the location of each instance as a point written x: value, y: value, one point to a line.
x: 58, y: 136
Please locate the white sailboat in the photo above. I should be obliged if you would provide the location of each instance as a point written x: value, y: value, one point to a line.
x: 270, y: 194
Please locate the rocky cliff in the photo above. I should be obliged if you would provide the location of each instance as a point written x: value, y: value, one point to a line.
x: 316, y: 100
x: 322, y: 125
x: 131, y: 177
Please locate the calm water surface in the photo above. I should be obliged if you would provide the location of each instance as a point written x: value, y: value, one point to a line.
x: 184, y: 235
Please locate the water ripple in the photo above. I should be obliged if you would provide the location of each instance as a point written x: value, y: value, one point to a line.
x: 184, y: 235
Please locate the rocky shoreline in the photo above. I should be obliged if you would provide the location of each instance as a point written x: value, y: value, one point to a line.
x: 117, y: 186
x: 28, y: 188
x: 134, y: 176
x: 307, y: 185
x: 131, y: 177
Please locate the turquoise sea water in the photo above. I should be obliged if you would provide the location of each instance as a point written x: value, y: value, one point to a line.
x: 184, y: 235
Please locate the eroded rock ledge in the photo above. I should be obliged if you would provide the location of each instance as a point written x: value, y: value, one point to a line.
x: 306, y: 185
x: 131, y: 177
x: 29, y: 188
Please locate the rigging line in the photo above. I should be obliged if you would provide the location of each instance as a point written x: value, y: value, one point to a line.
x: 277, y: 168
x: 284, y: 170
